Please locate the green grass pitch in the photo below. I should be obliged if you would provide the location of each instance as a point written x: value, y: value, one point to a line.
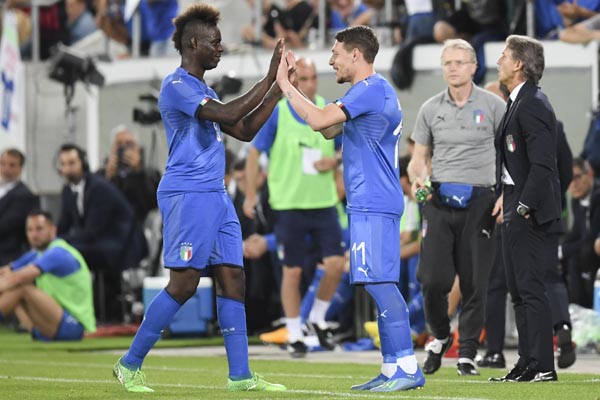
x: 31, y: 370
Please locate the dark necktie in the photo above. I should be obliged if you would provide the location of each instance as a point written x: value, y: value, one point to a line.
x: 508, y: 104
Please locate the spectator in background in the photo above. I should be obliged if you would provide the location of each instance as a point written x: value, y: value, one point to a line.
x: 577, y: 10
x: 110, y: 19
x: 478, y: 21
x: 271, y: 13
x: 582, y: 32
x: 345, y: 13
x: 125, y: 168
x: 49, y: 288
x: 53, y: 26
x: 80, y: 21
x: 99, y: 222
x: 577, y: 248
x: 16, y: 200
x: 296, y: 16
x: 158, y: 17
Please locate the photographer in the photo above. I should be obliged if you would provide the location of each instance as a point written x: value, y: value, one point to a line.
x: 125, y: 168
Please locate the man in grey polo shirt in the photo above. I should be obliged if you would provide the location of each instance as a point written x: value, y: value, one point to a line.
x: 454, y: 148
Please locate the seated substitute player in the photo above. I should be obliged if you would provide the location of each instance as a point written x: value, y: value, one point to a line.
x: 49, y: 288
x: 372, y: 124
x: 200, y: 226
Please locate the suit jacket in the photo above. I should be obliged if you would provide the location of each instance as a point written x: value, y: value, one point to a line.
x: 108, y: 224
x: 14, y: 207
x: 526, y: 146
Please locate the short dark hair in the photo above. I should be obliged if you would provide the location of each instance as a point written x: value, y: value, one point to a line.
x: 198, y: 13
x: 38, y: 211
x: 582, y: 164
x: 80, y: 153
x: 361, y: 37
x: 531, y: 53
x: 15, y: 153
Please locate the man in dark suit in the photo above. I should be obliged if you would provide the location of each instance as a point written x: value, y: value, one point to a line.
x: 527, y: 168
x: 99, y: 222
x: 16, y: 200
x: 577, y: 248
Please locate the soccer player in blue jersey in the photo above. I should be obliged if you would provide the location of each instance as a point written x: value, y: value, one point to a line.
x: 200, y: 226
x: 372, y: 124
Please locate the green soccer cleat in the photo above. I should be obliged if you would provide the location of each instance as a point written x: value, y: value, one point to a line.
x: 254, y: 384
x: 132, y: 381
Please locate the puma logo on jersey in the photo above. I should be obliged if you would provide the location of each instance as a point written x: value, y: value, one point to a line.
x: 459, y: 200
x: 177, y: 81
x: 486, y: 233
x: 383, y: 314
x: 364, y: 271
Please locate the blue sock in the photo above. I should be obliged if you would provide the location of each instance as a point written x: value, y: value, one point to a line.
x: 389, y: 355
x: 341, y: 297
x: 160, y: 312
x: 394, y: 314
x: 311, y: 293
x: 232, y: 320
x: 1, y: 317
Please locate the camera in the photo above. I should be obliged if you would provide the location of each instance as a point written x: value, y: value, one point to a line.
x: 150, y: 115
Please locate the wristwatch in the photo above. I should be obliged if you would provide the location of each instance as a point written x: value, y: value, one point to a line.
x: 522, y: 210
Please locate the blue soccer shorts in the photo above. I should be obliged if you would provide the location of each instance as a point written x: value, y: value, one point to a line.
x: 68, y: 329
x: 199, y: 230
x: 374, y: 248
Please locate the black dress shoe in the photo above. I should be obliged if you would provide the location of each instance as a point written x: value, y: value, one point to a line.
x: 466, y: 369
x: 324, y: 335
x: 433, y: 362
x: 492, y: 360
x: 531, y: 375
x: 512, y: 375
x: 566, y: 348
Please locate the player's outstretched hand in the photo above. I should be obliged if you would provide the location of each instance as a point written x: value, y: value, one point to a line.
x: 276, y: 58
x: 287, y: 67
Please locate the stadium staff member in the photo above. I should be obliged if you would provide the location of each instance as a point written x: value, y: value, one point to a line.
x: 48, y: 288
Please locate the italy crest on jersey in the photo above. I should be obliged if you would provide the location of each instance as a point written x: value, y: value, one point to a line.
x: 510, y: 143
x: 185, y: 251
x: 478, y: 116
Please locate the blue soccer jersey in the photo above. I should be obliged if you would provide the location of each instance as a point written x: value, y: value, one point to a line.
x: 370, y: 147
x: 196, y: 161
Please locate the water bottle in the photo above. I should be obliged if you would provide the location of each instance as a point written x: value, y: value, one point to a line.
x: 597, y: 293
x: 422, y: 192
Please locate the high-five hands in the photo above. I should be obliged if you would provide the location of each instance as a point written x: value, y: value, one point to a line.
x: 287, y: 68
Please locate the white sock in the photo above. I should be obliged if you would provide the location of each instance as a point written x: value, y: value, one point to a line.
x: 294, y: 328
x: 318, y: 311
x: 388, y: 369
x: 408, y: 364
